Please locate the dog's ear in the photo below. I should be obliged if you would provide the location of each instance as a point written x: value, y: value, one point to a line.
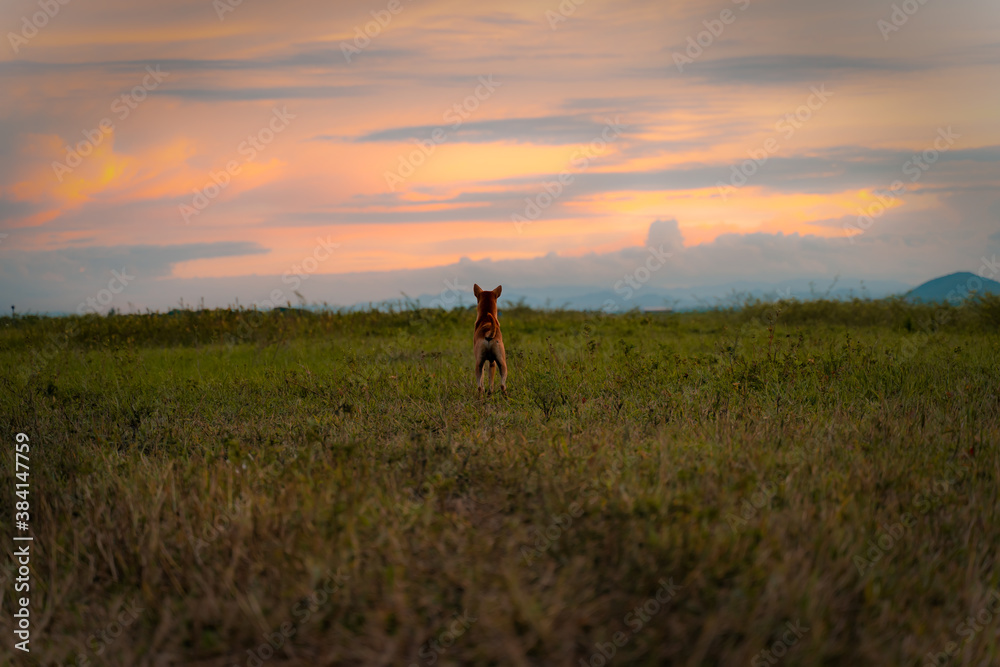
x: 497, y: 291
x: 477, y: 290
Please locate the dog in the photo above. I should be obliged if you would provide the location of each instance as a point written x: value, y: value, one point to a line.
x: 487, y: 343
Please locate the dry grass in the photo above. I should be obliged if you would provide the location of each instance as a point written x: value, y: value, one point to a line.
x: 210, y: 478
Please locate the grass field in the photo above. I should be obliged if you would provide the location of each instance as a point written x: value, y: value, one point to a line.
x: 794, y: 483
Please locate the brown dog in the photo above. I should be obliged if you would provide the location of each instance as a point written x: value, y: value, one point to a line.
x: 487, y: 343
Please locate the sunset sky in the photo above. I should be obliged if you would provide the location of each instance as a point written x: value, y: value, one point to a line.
x: 353, y: 151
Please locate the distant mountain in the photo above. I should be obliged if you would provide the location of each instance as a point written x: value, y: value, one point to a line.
x: 695, y: 297
x: 953, y: 288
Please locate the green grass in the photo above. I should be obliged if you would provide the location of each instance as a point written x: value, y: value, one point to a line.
x: 207, y: 480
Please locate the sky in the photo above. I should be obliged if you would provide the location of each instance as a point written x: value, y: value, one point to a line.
x: 242, y: 151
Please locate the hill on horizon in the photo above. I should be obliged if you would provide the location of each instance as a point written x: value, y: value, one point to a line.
x: 954, y: 287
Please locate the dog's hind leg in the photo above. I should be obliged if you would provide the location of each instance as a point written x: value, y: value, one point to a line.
x: 502, y: 362
x: 480, y: 365
x: 493, y: 372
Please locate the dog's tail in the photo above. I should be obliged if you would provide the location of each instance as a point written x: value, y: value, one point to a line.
x: 492, y: 327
